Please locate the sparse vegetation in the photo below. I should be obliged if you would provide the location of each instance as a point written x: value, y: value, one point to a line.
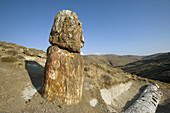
x: 13, y: 49
x: 157, y: 68
x: 12, y: 52
x: 20, y: 57
x: 34, y: 52
x: 107, y: 79
x: 9, y: 59
x: 103, y: 75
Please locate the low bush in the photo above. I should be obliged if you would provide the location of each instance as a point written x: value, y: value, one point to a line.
x: 12, y: 52
x: 9, y: 59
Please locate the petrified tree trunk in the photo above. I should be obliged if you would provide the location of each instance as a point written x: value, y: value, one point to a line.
x: 147, y: 102
x: 63, y: 75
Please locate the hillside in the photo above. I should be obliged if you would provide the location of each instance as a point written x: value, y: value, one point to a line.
x: 117, y: 60
x: 12, y: 49
x: 21, y: 71
x: 156, y: 67
x: 112, y: 59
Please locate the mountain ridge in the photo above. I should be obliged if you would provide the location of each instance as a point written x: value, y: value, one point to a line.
x: 155, y: 67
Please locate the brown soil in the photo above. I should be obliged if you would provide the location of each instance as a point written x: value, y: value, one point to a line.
x: 24, y: 76
x: 15, y: 79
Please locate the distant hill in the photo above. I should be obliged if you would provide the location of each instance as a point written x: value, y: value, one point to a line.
x: 99, y: 59
x: 151, y: 56
x: 117, y: 60
x: 112, y: 59
x: 155, y: 67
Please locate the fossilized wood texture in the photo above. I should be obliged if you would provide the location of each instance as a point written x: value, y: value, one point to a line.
x: 67, y: 32
x: 147, y: 102
x: 63, y: 76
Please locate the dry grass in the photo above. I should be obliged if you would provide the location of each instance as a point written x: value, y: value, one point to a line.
x: 9, y: 59
x: 105, y: 76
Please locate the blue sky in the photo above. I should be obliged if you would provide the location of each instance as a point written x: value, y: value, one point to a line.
x: 137, y: 27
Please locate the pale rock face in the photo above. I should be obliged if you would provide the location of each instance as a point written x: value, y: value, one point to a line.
x: 29, y: 92
x: 108, y: 95
x: 67, y: 32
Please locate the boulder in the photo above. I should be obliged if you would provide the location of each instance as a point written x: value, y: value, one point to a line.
x: 67, y: 32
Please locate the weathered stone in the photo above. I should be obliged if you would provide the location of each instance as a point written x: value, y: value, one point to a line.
x: 110, y: 96
x: 147, y: 102
x: 67, y: 32
x: 93, y: 102
x: 63, y: 76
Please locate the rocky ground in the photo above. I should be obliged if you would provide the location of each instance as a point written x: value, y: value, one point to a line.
x: 105, y: 90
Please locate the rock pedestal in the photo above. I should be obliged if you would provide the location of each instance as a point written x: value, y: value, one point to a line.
x: 63, y: 75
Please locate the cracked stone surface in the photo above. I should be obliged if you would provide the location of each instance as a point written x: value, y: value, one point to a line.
x: 63, y: 75
x: 67, y: 31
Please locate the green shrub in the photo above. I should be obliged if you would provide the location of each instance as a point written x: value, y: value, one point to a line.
x: 12, y: 52
x: 20, y: 57
x: 107, y: 79
x: 9, y: 59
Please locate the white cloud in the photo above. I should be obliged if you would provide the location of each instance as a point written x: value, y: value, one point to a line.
x: 97, y: 53
x: 102, y: 53
x: 81, y: 53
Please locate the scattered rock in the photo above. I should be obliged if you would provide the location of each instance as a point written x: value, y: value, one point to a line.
x: 28, y: 92
x: 88, y: 86
x: 59, y: 106
x: 28, y: 101
x: 93, y: 102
